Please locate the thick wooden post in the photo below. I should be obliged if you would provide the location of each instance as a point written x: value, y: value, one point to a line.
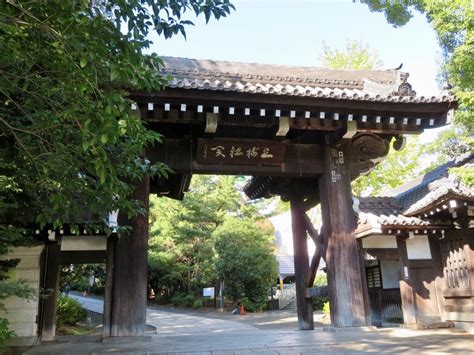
x: 126, y: 285
x: 300, y: 249
x: 406, y: 291
x: 50, y: 286
x: 345, y: 279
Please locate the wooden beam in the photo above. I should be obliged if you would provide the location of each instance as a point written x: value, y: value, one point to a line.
x: 300, y: 248
x: 342, y: 256
x: 316, y: 291
x: 50, y: 287
x: 313, y: 269
x: 83, y: 257
x: 179, y: 155
x: 228, y: 98
x: 128, y: 286
x: 319, y: 241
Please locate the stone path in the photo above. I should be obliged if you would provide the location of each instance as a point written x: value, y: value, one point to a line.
x: 180, y: 333
x: 175, y: 323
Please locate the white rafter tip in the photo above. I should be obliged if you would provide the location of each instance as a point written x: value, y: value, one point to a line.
x: 350, y: 117
x: 418, y: 121
x: 364, y: 118
x: 183, y: 107
x: 292, y: 114
x: 200, y: 108
x: 167, y: 107
x: 215, y: 109
x: 277, y: 113
x: 405, y: 120
x: 231, y: 110
x: 150, y: 106
x: 322, y: 114
x: 431, y: 122
x: 378, y: 119
x: 392, y: 120
x: 134, y: 106
x: 307, y: 114
x: 247, y: 112
x: 262, y: 112
x: 336, y: 116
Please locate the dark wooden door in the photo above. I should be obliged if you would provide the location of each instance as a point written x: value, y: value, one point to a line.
x: 423, y: 283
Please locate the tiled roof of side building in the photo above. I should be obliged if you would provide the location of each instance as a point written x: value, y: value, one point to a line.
x: 422, y: 191
x: 408, y: 200
x: 369, y: 85
x: 385, y: 211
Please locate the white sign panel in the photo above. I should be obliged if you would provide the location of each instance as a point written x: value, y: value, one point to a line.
x: 208, y: 292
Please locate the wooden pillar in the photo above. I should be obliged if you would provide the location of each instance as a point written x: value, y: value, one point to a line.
x: 301, y: 260
x: 50, y: 287
x: 126, y: 284
x: 345, y: 279
x: 406, y: 290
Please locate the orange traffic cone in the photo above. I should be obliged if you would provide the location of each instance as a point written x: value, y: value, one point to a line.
x: 242, y: 310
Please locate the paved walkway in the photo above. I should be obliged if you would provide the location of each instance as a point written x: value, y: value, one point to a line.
x: 190, y: 334
x: 174, y: 323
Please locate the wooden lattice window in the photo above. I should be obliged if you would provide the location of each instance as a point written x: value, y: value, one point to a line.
x: 374, y: 276
x: 456, y: 268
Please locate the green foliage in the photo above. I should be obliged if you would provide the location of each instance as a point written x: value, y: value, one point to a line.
x: 357, y: 55
x: 5, y: 333
x: 326, y: 308
x: 69, y: 311
x: 320, y: 281
x: 466, y: 176
x: 181, y: 246
x: 69, y: 137
x: 77, y: 277
x: 198, y: 303
x: 245, y: 261
x: 453, y: 22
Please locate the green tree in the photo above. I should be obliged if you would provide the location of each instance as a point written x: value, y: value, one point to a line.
x: 69, y: 140
x: 245, y: 261
x: 356, y: 55
x: 453, y: 22
x: 181, y: 247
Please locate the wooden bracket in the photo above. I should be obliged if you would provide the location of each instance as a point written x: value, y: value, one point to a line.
x: 211, y: 122
x: 283, y: 126
x: 351, y: 130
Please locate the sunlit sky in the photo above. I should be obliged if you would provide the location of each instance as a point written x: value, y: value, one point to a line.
x: 292, y: 32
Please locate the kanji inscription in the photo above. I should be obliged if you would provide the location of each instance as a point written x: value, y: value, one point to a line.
x: 240, y: 152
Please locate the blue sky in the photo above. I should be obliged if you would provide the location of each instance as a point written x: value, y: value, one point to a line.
x: 291, y: 32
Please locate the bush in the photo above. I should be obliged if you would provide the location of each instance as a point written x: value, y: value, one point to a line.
x: 326, y: 308
x: 252, y: 306
x: 198, y: 303
x: 319, y: 302
x: 188, y: 300
x: 70, y: 311
x: 177, y: 299
x: 5, y: 334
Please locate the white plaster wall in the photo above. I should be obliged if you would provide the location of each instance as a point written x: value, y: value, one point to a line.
x: 74, y: 243
x: 418, y: 247
x: 390, y: 274
x: 379, y: 242
x: 21, y: 313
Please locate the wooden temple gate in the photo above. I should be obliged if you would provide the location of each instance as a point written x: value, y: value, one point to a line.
x: 302, y: 133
